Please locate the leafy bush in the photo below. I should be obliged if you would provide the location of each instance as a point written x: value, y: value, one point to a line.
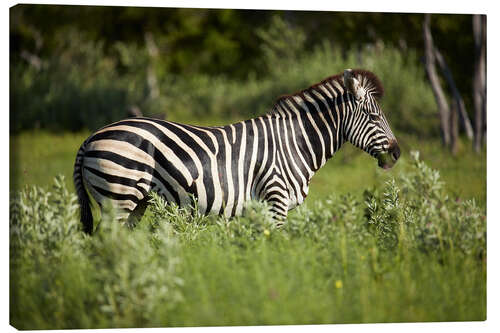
x: 81, y: 88
x: 399, y: 253
x: 62, y: 278
x: 422, y: 211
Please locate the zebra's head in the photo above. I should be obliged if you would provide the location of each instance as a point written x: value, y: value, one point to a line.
x: 366, y: 126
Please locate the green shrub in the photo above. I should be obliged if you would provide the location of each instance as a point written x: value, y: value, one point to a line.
x: 61, y: 278
x: 420, y: 209
x: 404, y: 252
x: 83, y: 87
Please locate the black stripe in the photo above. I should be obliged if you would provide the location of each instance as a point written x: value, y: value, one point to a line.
x: 116, y: 196
x: 287, y: 160
x: 247, y: 159
x: 270, y: 153
x: 296, y: 154
x: 234, y: 161
x: 120, y: 180
x: 221, y: 169
x: 320, y: 123
x: 300, y: 137
x: 147, y: 147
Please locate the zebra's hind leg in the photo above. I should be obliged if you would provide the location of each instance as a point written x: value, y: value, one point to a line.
x: 136, y: 215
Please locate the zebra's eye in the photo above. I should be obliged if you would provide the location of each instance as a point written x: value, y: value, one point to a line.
x: 374, y: 117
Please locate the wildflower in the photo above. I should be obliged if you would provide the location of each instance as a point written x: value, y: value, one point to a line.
x: 267, y: 233
x: 338, y: 284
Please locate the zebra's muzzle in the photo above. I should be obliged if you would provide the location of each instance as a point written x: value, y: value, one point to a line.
x: 386, y: 160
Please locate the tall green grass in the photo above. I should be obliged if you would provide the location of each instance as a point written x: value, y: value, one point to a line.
x: 407, y: 251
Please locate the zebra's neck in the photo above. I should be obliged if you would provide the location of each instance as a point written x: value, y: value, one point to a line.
x: 311, y: 121
x: 308, y: 129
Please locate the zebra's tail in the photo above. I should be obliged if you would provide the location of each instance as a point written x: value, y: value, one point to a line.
x: 83, y: 197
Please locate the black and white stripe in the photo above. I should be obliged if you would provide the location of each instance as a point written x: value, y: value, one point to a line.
x: 271, y: 157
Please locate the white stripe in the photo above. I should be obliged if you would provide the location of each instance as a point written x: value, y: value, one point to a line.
x: 230, y: 186
x: 120, y: 204
x: 264, y: 158
x: 241, y: 160
x: 252, y: 161
x: 260, y: 187
x: 296, y: 186
x: 301, y: 102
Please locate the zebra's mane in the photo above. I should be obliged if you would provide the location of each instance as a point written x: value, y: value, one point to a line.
x: 367, y: 79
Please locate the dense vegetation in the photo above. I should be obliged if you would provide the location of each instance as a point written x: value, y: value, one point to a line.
x: 72, y: 75
x: 398, y: 254
x: 96, y: 94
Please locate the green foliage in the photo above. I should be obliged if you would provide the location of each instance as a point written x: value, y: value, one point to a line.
x: 430, y: 218
x: 63, y: 278
x: 67, y: 91
x: 81, y: 88
x: 91, y: 83
x: 281, y: 44
x: 223, y: 41
x: 408, y: 102
x: 398, y: 254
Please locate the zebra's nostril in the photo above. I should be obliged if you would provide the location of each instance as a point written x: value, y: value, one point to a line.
x: 395, y: 152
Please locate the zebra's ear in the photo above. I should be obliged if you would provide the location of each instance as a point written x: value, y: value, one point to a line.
x: 353, y: 86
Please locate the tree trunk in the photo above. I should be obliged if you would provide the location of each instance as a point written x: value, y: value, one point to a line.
x: 430, y: 68
x: 154, y: 90
x: 454, y: 127
x: 479, y: 83
x: 459, y: 102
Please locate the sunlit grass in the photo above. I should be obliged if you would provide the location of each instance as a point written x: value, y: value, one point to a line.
x: 36, y: 157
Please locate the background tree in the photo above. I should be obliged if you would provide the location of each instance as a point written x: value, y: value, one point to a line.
x: 449, y: 117
x: 479, y: 83
x: 430, y: 68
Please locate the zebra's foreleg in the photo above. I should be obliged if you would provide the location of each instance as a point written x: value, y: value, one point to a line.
x: 279, y: 207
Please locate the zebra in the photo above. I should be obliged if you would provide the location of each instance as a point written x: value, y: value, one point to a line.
x: 270, y: 158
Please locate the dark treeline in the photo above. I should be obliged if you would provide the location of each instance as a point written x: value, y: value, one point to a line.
x: 121, y: 58
x: 215, y: 41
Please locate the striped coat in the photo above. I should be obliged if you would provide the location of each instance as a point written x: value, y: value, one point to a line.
x: 270, y: 158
